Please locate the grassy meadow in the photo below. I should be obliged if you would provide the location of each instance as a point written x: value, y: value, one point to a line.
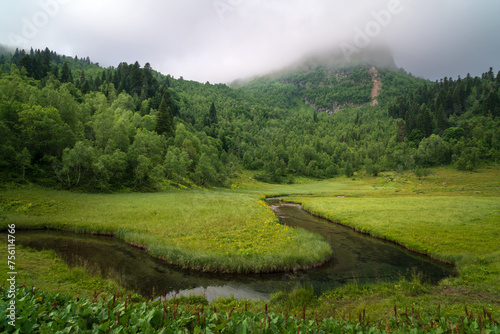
x: 216, y: 231
x: 449, y: 215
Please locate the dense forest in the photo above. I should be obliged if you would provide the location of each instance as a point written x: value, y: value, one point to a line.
x: 67, y: 122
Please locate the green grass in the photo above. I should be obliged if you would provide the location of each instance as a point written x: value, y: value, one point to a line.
x: 450, y: 215
x: 218, y: 231
x: 246, y: 183
x: 449, y: 228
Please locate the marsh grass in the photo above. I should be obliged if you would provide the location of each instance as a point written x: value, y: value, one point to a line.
x: 216, y: 231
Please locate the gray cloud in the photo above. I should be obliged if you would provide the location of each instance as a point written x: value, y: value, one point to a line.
x: 221, y: 40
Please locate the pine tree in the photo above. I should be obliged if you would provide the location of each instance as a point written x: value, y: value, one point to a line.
x: 427, y: 124
x: 402, y: 109
x: 491, y: 76
x: 135, y: 78
x: 212, y: 114
x: 55, y: 71
x: 174, y: 108
x: 441, y: 119
x: 492, y: 104
x: 457, y: 100
x: 66, y: 73
x: 37, y: 66
x: 26, y: 62
x: 164, y: 120
x: 46, y: 62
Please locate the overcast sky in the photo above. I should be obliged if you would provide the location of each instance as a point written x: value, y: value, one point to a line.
x: 223, y: 40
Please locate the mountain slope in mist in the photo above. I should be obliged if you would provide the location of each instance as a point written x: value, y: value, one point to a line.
x: 378, y: 56
x: 329, y: 81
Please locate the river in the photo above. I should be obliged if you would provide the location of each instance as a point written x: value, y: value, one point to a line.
x: 356, y: 258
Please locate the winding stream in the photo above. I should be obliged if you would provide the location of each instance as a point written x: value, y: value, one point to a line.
x: 355, y: 257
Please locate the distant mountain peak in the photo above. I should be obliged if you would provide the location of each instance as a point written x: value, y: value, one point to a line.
x: 378, y: 56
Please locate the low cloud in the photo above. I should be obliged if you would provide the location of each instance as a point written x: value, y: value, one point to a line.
x: 222, y: 40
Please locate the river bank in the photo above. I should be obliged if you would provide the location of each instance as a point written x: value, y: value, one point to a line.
x: 217, y: 231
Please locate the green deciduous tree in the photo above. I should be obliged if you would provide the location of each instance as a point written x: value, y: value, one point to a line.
x: 453, y: 134
x: 177, y: 163
x: 77, y: 162
x: 468, y: 159
x: 23, y: 159
x: 108, y: 168
x: 433, y: 151
x: 205, y: 173
x: 145, y: 154
x: 43, y: 131
x: 348, y: 170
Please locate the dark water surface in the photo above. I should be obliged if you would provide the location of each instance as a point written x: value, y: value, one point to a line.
x: 355, y: 257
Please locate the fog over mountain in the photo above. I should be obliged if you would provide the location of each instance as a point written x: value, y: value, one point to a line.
x: 222, y: 40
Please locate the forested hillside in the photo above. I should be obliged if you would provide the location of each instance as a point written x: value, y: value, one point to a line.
x: 454, y: 120
x: 66, y: 122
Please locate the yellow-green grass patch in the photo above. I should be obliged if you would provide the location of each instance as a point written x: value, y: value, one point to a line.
x: 448, y: 228
x: 205, y: 230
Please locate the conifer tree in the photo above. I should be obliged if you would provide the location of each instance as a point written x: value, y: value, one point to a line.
x: 174, y: 108
x: 46, y: 62
x: 66, y: 73
x: 492, y: 104
x: 37, y: 66
x: 491, y: 76
x: 427, y: 125
x: 136, y: 77
x: 457, y: 99
x: 164, y: 120
x: 441, y: 119
x: 27, y: 64
x: 212, y: 114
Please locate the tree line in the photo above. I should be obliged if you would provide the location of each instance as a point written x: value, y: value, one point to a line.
x: 77, y: 125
